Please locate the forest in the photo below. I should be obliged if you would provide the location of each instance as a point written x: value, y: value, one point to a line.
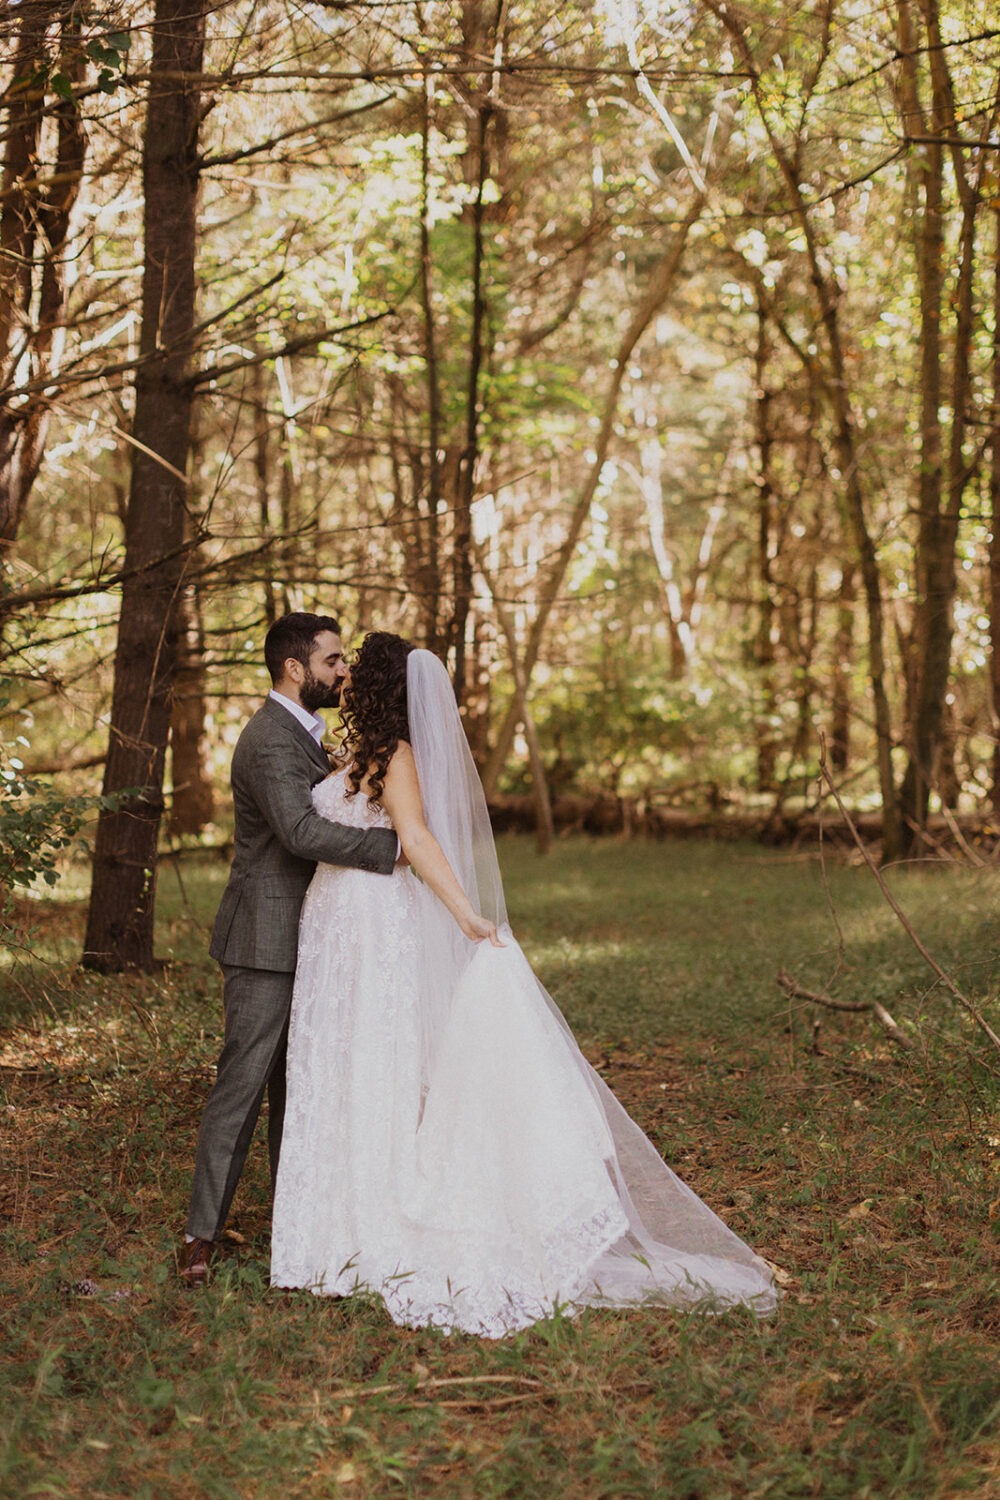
x: 641, y: 359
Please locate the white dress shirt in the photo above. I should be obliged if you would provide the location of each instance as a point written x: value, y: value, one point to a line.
x: 312, y: 722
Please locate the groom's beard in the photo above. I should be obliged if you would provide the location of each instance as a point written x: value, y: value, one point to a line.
x: 315, y: 695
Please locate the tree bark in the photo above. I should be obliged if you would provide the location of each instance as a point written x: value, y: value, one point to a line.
x: 764, y: 642
x: 843, y: 656
x: 544, y: 825
x: 35, y: 221
x: 943, y: 477
x: 192, y: 802
x: 650, y: 478
x: 482, y: 37
x: 120, y: 923
x: 432, y: 605
x: 994, y: 484
x: 262, y: 476
x: 465, y: 489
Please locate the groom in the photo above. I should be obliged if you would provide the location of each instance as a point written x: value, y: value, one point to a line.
x: 279, y: 837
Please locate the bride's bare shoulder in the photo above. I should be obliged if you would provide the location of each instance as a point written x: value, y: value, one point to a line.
x: 400, y: 771
x: 402, y: 763
x: 401, y: 782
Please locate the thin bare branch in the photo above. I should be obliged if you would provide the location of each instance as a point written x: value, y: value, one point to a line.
x: 795, y: 991
x: 957, y: 995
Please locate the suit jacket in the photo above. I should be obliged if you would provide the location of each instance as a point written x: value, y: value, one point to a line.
x: 279, y: 839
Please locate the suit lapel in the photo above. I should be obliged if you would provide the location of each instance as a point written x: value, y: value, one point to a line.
x: 290, y: 724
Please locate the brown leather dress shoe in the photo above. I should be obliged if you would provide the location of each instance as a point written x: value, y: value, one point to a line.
x: 194, y: 1262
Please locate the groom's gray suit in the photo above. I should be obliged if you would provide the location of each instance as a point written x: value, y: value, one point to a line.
x: 279, y: 838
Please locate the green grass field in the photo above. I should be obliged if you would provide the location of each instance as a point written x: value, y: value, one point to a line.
x: 868, y: 1176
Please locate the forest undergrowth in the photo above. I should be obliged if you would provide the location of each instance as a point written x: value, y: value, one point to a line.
x: 868, y: 1176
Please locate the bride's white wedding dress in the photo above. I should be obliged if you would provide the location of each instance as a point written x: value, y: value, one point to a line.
x: 446, y: 1145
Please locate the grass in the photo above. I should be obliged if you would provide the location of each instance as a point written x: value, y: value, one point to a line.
x: 869, y: 1178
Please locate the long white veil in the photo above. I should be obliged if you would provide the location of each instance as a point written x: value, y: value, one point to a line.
x: 453, y: 797
x: 674, y: 1250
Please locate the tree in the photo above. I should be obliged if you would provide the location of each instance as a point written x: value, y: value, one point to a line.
x: 827, y: 365
x: 120, y: 921
x: 35, y: 218
x: 947, y: 350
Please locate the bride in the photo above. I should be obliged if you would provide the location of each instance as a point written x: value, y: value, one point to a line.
x: 446, y: 1145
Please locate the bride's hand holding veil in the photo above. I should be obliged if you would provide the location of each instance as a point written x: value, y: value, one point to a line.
x: 402, y: 801
x: 477, y: 928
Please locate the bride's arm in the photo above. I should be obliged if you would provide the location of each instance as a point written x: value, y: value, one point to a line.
x: 401, y: 800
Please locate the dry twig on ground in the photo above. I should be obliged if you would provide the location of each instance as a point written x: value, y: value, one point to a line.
x: 796, y: 991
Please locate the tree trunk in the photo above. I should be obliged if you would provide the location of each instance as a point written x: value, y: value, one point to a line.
x: 290, y: 551
x: 995, y: 521
x: 465, y: 489
x: 764, y: 642
x: 931, y: 604
x: 482, y: 37
x: 192, y: 802
x: 262, y: 476
x: 35, y: 220
x: 806, y: 634
x: 843, y: 656
x: 678, y: 629
x: 120, y: 923
x: 476, y: 709
x: 544, y: 826
x: 432, y: 563
x: 943, y: 478
x: 948, y: 781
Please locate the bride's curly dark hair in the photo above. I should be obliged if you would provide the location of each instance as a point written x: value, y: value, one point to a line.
x: 374, y: 710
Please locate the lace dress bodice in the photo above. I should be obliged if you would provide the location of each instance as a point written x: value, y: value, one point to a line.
x: 331, y: 798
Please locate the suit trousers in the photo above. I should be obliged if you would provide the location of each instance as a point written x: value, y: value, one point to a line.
x: 257, y: 1005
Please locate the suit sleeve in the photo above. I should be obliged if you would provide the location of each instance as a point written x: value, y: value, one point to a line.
x: 283, y: 792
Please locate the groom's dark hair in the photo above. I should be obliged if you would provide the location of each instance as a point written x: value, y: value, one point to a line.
x: 293, y: 636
